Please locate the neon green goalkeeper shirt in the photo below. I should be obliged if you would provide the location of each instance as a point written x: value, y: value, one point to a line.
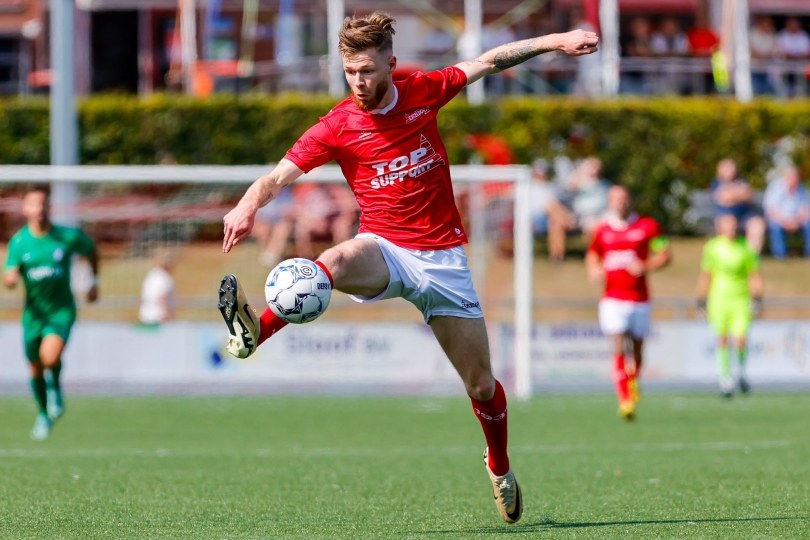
x: 44, y: 264
x: 730, y: 263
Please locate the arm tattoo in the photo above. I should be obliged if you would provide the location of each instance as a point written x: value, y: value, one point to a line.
x: 513, y: 57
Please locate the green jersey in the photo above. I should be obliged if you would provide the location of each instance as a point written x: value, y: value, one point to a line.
x: 44, y: 264
x: 730, y: 263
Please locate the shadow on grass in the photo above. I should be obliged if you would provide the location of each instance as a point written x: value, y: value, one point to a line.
x: 550, y: 524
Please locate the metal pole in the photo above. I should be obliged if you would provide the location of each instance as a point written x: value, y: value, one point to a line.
x: 335, y: 10
x: 524, y: 259
x: 609, y: 43
x: 63, y: 123
x: 742, y: 53
x: 471, y: 39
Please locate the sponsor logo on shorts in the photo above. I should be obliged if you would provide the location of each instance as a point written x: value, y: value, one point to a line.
x: 470, y: 305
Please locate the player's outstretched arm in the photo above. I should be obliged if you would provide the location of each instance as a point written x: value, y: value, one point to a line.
x: 239, y: 221
x: 573, y: 43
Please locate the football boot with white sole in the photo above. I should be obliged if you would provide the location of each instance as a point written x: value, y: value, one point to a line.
x: 240, y: 318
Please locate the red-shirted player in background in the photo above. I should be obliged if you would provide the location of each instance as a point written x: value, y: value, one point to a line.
x: 625, y: 247
x: 386, y: 140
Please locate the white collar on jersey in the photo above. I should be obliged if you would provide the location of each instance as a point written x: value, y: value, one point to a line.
x: 619, y: 224
x: 390, y: 106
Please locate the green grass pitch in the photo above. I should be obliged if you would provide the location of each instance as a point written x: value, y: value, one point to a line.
x: 691, y: 466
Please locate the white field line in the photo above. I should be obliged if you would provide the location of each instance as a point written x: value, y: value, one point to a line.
x: 711, y: 446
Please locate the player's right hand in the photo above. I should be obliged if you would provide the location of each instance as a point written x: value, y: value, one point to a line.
x: 700, y: 306
x: 238, y: 224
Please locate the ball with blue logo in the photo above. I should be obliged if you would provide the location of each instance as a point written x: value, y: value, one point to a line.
x: 297, y: 290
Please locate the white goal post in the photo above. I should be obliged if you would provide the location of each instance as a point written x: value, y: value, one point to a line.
x: 474, y: 175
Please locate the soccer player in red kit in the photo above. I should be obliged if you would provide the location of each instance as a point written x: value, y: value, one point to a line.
x: 410, y: 243
x: 625, y: 247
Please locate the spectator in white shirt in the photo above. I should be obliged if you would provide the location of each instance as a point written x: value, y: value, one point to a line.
x: 157, y: 291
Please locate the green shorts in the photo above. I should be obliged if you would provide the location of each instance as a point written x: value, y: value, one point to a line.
x: 36, y: 327
x: 730, y: 318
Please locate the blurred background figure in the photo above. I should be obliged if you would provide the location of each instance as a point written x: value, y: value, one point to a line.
x: 587, y: 194
x: 638, y: 44
x: 274, y: 227
x: 730, y: 291
x: 549, y: 216
x: 735, y: 196
x: 762, y: 41
x: 158, y: 297
x: 793, y: 43
x: 787, y: 211
x: 325, y: 213
x: 625, y: 248
x: 669, y: 39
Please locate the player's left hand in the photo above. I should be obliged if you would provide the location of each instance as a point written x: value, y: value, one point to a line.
x: 238, y: 224
x: 637, y: 268
x: 756, y: 307
x: 578, y: 42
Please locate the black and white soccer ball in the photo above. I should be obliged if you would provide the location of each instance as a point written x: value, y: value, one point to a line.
x: 297, y: 290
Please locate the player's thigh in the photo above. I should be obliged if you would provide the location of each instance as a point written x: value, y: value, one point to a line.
x: 719, y: 317
x: 51, y: 349
x: 466, y: 344
x: 740, y: 320
x: 614, y: 316
x: 357, y: 267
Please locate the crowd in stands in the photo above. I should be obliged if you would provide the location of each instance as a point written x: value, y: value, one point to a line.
x: 644, y: 37
x: 645, y: 40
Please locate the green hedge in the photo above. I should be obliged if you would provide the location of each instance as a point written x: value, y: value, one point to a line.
x: 661, y: 148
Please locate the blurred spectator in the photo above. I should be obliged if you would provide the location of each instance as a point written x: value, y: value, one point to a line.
x: 762, y: 40
x: 587, y: 194
x: 588, y: 80
x: 437, y: 43
x: 326, y: 212
x: 549, y: 216
x: 274, y: 226
x: 669, y: 39
x: 703, y: 40
x: 733, y: 195
x: 158, y: 300
x: 638, y: 44
x: 793, y: 43
x: 787, y: 209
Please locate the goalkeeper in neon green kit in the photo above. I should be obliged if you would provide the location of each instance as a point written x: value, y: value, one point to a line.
x: 40, y: 254
x: 730, y: 290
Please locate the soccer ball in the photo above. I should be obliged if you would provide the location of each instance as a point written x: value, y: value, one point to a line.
x: 297, y: 290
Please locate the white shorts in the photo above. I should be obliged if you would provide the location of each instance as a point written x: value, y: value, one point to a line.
x: 624, y: 317
x: 437, y: 282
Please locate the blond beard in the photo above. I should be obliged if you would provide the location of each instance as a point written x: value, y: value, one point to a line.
x: 379, y: 94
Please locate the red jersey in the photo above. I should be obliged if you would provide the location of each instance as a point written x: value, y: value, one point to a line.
x: 618, y: 246
x: 394, y: 161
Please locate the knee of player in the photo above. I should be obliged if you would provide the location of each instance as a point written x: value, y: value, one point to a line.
x: 480, y: 386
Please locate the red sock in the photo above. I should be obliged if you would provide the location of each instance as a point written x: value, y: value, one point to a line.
x: 326, y: 271
x: 269, y: 324
x: 620, y: 378
x: 492, y: 415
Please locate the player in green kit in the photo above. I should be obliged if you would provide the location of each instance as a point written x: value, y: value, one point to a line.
x: 730, y: 290
x: 40, y: 254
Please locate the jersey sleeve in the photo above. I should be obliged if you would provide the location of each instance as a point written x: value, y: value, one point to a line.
x: 658, y: 241
x: 314, y: 148
x: 82, y: 244
x: 596, y: 242
x: 444, y: 84
x: 13, y: 256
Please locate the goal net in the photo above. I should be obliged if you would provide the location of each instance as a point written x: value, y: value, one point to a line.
x: 135, y: 212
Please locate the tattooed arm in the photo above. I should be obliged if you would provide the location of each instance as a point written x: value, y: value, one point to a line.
x: 574, y: 43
